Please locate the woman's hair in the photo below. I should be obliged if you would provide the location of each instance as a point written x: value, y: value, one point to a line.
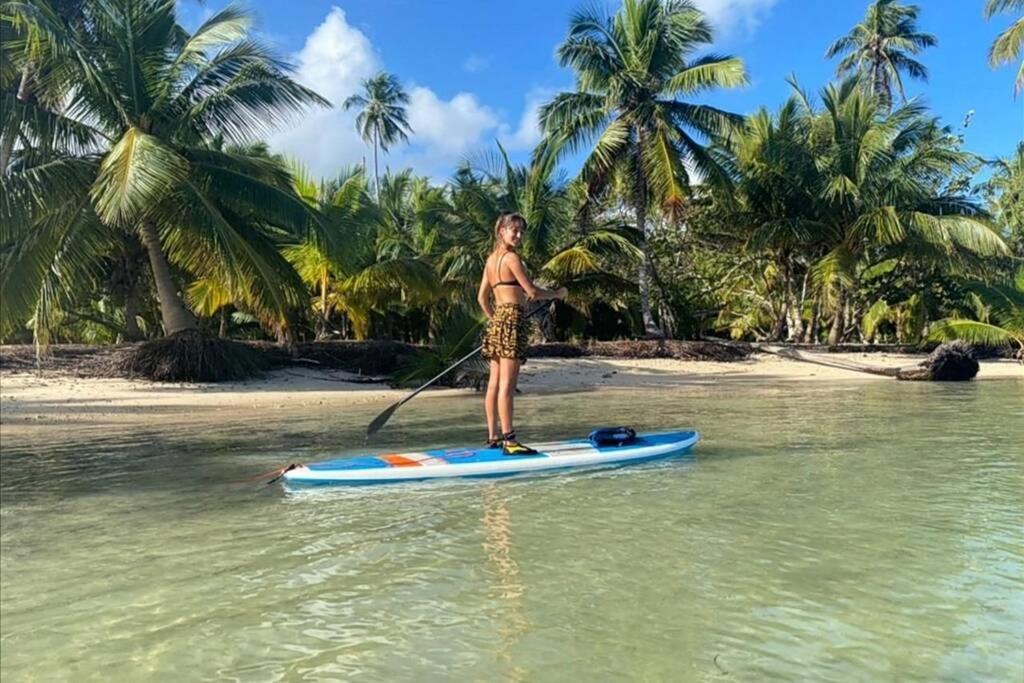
x: 506, y: 220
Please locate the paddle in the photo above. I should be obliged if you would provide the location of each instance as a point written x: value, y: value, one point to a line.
x: 381, y: 419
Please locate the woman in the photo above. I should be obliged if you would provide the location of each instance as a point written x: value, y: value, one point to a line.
x: 505, y: 339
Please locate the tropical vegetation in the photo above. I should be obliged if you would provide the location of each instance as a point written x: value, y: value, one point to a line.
x: 139, y: 200
x: 882, y: 46
x: 1009, y: 45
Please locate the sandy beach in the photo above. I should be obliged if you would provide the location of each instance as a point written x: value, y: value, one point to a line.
x: 28, y: 397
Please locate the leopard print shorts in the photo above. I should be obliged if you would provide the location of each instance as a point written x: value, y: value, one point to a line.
x: 507, y: 334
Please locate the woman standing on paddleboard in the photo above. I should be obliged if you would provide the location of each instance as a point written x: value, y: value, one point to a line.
x: 505, y: 339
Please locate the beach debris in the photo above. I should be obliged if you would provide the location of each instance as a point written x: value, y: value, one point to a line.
x: 193, y: 356
x: 951, y: 362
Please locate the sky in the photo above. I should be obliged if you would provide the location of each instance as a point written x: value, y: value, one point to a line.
x: 477, y: 70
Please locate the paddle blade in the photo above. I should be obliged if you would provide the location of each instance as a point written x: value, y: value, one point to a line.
x: 379, y: 421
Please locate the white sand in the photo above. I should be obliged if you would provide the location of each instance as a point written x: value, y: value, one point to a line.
x: 28, y: 397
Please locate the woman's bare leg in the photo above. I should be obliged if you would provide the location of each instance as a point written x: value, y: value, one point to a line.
x: 491, y: 402
x: 509, y: 376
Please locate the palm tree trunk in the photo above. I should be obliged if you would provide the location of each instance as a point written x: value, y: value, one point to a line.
x: 376, y: 176
x: 6, y: 150
x: 222, y: 330
x: 849, y: 319
x: 780, y: 323
x: 129, y: 279
x: 645, y: 271
x: 175, y: 316
x: 783, y: 315
x: 811, y: 335
x: 324, y: 313
x: 131, y: 331
x: 796, y: 308
x: 835, y: 335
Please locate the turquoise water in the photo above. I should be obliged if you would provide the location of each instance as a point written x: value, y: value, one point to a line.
x: 864, y: 531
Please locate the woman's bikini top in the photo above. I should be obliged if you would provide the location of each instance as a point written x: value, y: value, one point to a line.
x: 499, y: 283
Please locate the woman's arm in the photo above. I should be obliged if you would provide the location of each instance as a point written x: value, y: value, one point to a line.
x: 483, y: 297
x: 533, y: 292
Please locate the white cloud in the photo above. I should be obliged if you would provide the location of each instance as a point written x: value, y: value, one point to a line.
x: 729, y: 16
x: 528, y: 133
x: 335, y: 59
x: 476, y: 63
x: 451, y: 128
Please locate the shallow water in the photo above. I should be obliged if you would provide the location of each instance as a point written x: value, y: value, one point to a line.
x: 856, y: 532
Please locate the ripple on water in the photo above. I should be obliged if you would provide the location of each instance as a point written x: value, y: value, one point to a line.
x: 869, y: 531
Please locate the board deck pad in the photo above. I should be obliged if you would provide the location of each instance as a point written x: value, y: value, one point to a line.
x: 488, y: 462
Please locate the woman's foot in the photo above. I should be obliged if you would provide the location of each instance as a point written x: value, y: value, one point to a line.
x: 493, y: 443
x: 513, y: 447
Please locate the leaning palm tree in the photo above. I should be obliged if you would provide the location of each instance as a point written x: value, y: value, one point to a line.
x: 382, y: 120
x: 631, y: 70
x: 881, y: 46
x: 148, y: 104
x: 1008, y: 46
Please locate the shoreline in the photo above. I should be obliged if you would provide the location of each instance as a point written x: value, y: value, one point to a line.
x: 49, y: 397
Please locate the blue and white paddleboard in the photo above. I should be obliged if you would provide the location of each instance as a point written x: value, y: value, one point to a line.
x: 484, y: 462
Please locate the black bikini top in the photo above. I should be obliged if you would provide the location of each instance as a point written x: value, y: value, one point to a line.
x: 499, y: 283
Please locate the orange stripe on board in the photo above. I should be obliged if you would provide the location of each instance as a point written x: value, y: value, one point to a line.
x: 399, y: 460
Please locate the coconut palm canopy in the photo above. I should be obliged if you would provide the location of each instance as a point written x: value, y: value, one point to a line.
x: 139, y: 199
x: 883, y: 46
x: 632, y: 71
x: 1009, y: 45
x: 136, y: 153
x: 382, y: 119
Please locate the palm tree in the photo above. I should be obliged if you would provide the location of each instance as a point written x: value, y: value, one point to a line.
x: 382, y: 120
x: 584, y: 256
x: 1005, y: 190
x: 1010, y: 42
x: 880, y: 47
x: 630, y: 71
x: 148, y: 104
x: 386, y: 266
x: 1001, y: 319
x: 331, y: 247
x: 879, y: 181
x: 773, y: 205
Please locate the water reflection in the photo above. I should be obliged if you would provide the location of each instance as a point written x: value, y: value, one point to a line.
x: 508, y: 585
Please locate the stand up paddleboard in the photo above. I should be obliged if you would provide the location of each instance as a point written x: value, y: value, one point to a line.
x: 490, y: 462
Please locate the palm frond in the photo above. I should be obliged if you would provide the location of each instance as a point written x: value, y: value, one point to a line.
x: 134, y: 175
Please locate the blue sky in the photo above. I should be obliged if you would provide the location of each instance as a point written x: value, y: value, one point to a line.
x: 477, y: 70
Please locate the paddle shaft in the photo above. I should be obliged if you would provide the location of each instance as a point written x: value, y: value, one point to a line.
x: 379, y: 421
